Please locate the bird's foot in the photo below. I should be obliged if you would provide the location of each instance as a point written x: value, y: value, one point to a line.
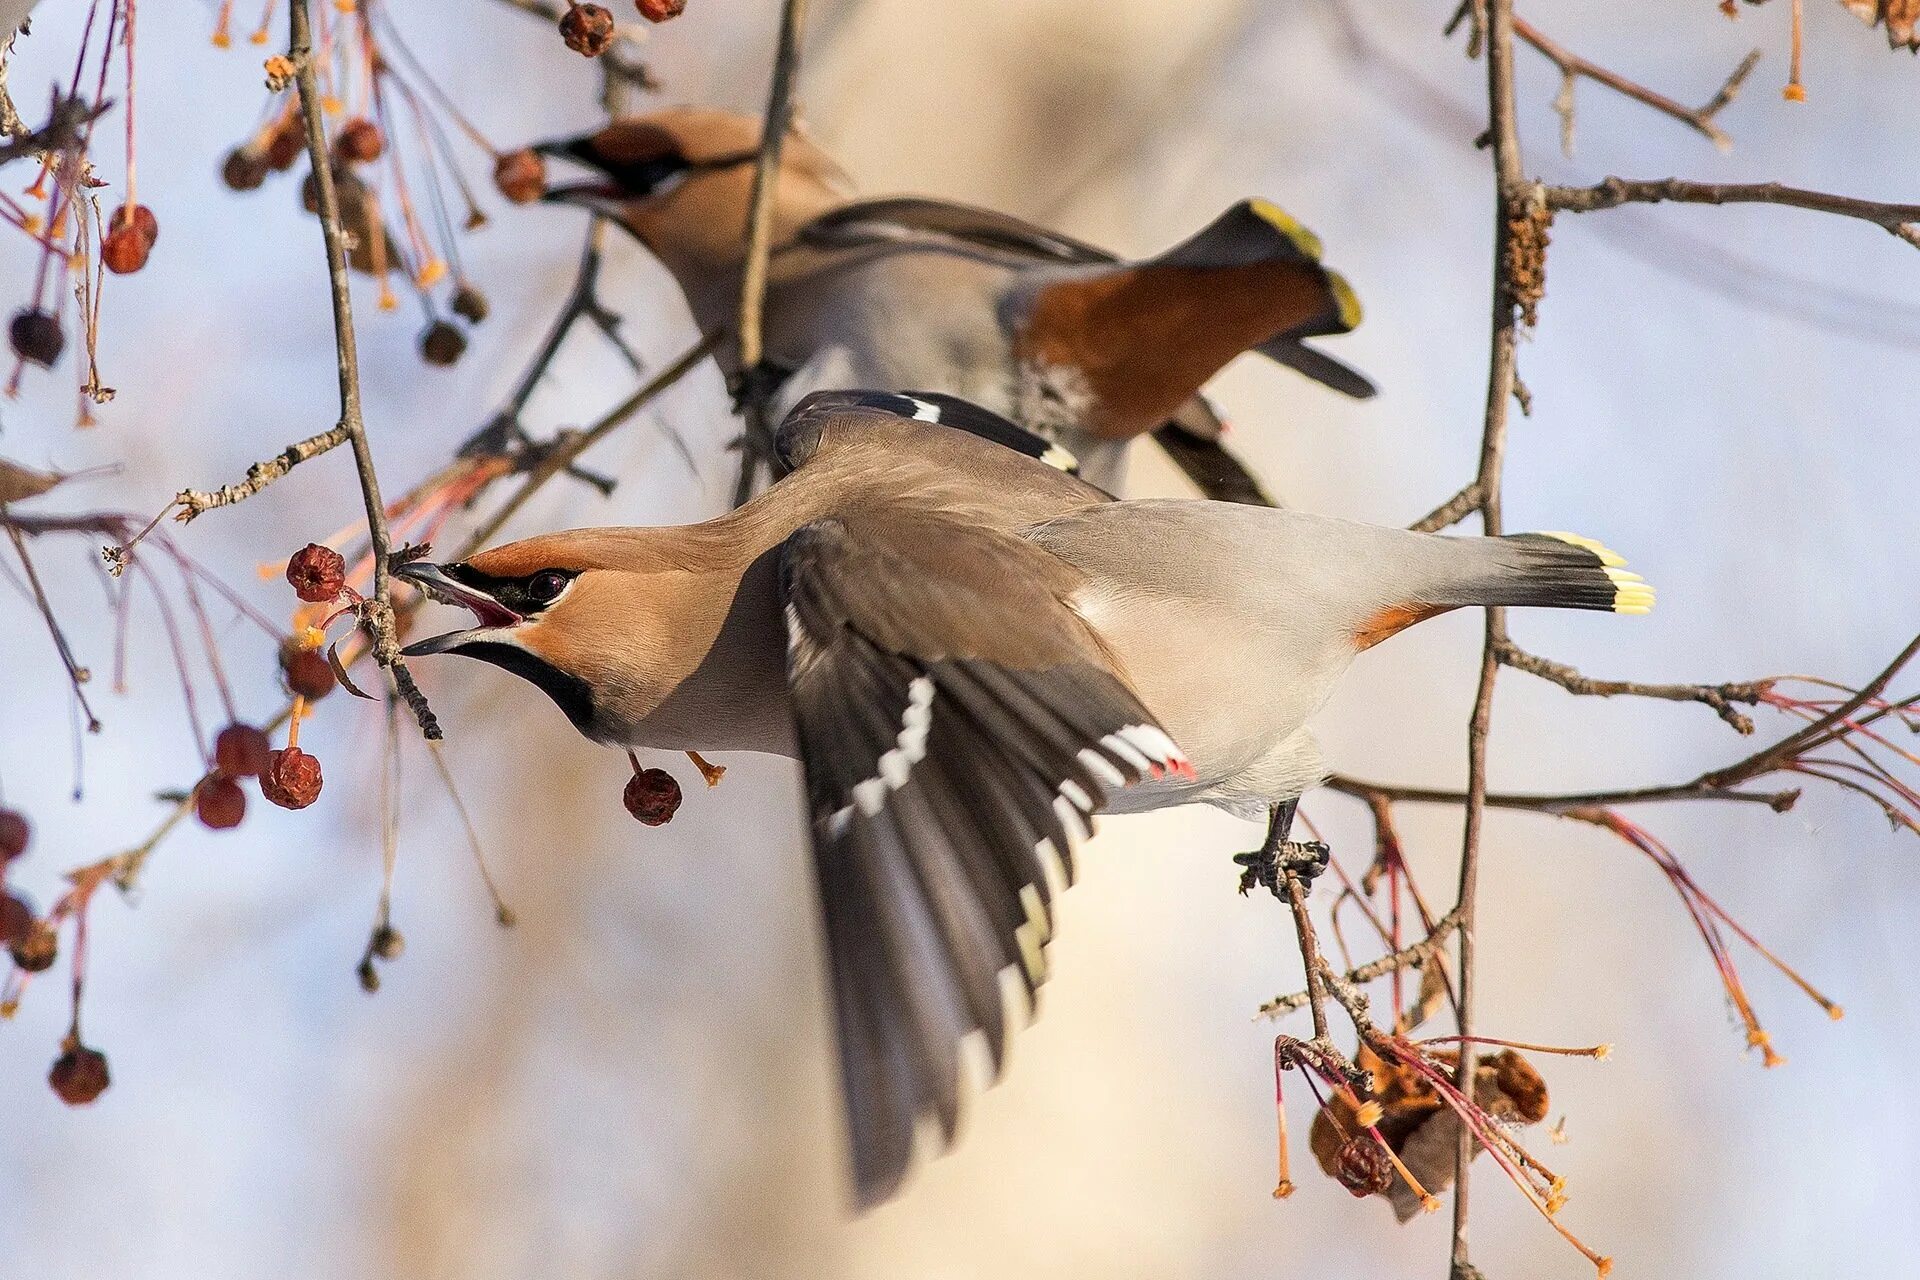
x: 1267, y: 868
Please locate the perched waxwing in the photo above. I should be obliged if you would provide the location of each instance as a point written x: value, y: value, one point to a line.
x: 971, y: 652
x: 899, y: 293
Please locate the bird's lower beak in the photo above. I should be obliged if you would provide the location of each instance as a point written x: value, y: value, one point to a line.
x: 432, y: 579
x: 598, y: 193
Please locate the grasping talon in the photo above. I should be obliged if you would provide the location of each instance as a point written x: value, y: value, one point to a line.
x: 1264, y: 868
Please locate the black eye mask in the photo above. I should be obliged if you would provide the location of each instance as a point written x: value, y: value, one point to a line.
x: 526, y: 595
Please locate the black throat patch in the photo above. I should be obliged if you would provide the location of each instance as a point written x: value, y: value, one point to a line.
x: 570, y: 693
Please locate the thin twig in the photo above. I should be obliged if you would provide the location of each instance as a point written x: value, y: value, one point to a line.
x: 755, y: 446
x: 197, y: 502
x: 1902, y: 220
x: 1721, y: 697
x: 376, y: 614
x: 1573, y: 66
x: 1414, y: 955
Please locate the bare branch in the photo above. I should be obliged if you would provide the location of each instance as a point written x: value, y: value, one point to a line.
x: 1902, y: 220
x: 1721, y: 697
x: 1573, y: 66
x: 1414, y: 955
x: 197, y: 502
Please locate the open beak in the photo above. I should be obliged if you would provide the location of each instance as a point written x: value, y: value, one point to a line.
x: 488, y: 612
x: 600, y: 193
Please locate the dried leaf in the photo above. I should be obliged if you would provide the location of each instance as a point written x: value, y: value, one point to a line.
x: 18, y: 483
x: 340, y: 674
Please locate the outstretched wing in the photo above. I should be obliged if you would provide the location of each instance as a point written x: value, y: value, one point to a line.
x: 958, y: 725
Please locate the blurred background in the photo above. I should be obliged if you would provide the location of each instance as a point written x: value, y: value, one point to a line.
x: 636, y: 1081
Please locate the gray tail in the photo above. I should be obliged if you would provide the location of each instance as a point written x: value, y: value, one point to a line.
x: 1558, y: 571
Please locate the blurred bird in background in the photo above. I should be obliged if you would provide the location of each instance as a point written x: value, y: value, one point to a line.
x: 971, y: 652
x: 909, y: 292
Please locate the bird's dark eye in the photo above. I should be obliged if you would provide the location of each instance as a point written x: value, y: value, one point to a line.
x: 544, y: 588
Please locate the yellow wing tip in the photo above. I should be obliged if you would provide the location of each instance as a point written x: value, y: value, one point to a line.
x: 1060, y: 459
x: 1287, y: 225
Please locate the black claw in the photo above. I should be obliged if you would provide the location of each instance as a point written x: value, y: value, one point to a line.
x: 1267, y: 868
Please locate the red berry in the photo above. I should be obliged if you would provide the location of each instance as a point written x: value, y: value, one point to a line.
x: 660, y: 10
x: 307, y: 672
x: 360, y: 142
x: 36, y: 337
x: 442, y: 344
x: 240, y: 751
x: 124, y: 252
x: 16, y: 918
x: 292, y: 779
x: 37, y: 949
x: 219, y: 802
x: 1362, y: 1167
x: 139, y: 218
x: 521, y: 176
x: 318, y: 574
x: 587, y: 29
x: 14, y: 833
x: 79, y: 1074
x: 652, y: 796
x: 245, y: 168
x: 285, y: 143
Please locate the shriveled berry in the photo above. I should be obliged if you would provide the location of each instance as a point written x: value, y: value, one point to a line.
x: 521, y: 176
x: 37, y: 949
x: 245, y: 168
x: 469, y: 303
x: 16, y: 918
x: 240, y: 751
x: 652, y: 796
x: 587, y: 29
x: 1525, y: 1091
x: 318, y: 574
x: 359, y: 141
x: 442, y: 343
x: 14, y: 834
x: 660, y: 10
x: 36, y: 337
x: 219, y: 802
x: 292, y: 779
x: 1362, y: 1167
x: 308, y: 673
x: 79, y: 1074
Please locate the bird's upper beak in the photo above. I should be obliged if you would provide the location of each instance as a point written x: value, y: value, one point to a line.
x: 433, y: 580
x: 600, y: 193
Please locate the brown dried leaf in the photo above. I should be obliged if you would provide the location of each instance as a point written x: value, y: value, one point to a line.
x: 340, y: 674
x: 18, y: 483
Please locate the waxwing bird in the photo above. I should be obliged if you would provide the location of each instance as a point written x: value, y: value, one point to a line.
x: 1061, y: 336
x: 971, y: 652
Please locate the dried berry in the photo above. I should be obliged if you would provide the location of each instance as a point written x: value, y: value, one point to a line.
x: 1523, y: 1089
x: 587, y: 29
x: 36, y: 337
x: 442, y: 343
x: 652, y: 796
x: 130, y: 236
x: 521, y: 176
x: 1362, y: 1167
x: 469, y: 303
x: 359, y: 142
x: 37, y: 949
x: 245, y: 168
x: 318, y: 574
x: 14, y: 833
x: 292, y: 779
x: 308, y: 673
x: 660, y: 10
x: 79, y: 1074
x: 240, y: 751
x: 16, y: 918
x: 285, y: 143
x: 219, y: 802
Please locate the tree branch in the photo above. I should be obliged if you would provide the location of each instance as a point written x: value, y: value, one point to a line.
x: 376, y: 614
x: 1902, y: 220
x: 197, y: 502
x: 1721, y: 697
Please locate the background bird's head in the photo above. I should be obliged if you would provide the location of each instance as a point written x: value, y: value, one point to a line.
x: 679, y: 180
x: 585, y: 616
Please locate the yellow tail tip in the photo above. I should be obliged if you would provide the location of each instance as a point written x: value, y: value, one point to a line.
x: 1608, y: 557
x: 1287, y: 225
x: 1347, y: 300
